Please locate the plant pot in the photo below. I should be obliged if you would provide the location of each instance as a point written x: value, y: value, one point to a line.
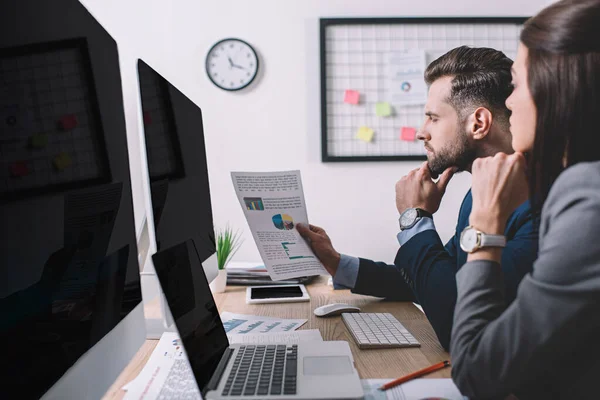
x: 219, y: 283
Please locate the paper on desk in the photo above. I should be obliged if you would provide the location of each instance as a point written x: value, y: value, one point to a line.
x: 164, y: 353
x: 273, y: 203
x: 419, y: 307
x: 416, y: 389
x: 305, y: 335
x: 242, y: 324
x: 151, y: 380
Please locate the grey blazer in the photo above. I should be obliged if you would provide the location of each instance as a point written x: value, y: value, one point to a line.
x: 546, y: 344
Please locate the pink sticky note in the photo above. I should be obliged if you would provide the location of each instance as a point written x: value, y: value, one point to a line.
x: 351, y: 97
x: 408, y: 134
x: 19, y: 169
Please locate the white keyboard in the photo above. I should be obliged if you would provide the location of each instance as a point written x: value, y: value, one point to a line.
x: 378, y: 330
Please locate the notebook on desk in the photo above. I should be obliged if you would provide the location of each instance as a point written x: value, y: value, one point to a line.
x: 309, y: 370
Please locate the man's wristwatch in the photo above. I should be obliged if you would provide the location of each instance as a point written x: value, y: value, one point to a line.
x: 472, y: 240
x: 411, y: 216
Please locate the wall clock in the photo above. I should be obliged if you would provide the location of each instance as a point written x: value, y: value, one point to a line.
x: 231, y: 64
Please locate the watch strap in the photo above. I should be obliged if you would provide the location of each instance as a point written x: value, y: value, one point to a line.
x: 423, y: 213
x: 487, y: 240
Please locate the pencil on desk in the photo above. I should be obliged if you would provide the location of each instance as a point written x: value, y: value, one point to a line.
x: 415, y: 374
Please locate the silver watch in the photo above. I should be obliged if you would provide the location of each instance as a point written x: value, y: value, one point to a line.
x: 411, y: 216
x: 472, y: 240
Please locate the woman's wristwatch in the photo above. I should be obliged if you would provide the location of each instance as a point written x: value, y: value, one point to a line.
x: 472, y: 240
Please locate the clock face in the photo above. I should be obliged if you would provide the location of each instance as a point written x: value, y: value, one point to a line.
x: 469, y: 239
x: 232, y: 64
x: 408, y: 217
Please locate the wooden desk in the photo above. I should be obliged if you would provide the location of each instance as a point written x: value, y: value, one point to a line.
x: 384, y: 363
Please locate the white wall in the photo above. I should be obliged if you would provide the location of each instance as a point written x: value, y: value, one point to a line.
x: 253, y: 130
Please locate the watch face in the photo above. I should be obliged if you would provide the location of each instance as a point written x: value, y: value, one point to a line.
x: 469, y: 239
x: 232, y: 64
x: 408, y: 217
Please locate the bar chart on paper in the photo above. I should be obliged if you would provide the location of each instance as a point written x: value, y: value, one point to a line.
x: 254, y: 203
x: 296, y: 250
x: 232, y: 324
x: 245, y: 324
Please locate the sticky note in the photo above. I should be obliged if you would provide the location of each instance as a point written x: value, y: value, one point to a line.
x: 408, y: 134
x: 18, y: 169
x: 38, y: 141
x: 383, y: 109
x: 365, y: 134
x: 62, y: 161
x: 68, y: 122
x: 351, y: 97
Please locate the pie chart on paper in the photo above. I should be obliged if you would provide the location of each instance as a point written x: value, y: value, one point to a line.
x: 283, y: 222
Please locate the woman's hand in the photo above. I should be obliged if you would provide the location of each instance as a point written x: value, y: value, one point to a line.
x: 499, y: 186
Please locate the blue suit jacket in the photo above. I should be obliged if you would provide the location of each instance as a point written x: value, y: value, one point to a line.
x: 424, y: 269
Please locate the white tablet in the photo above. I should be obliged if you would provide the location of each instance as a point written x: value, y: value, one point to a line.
x: 276, y: 294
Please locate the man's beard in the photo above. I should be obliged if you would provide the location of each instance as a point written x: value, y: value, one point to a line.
x: 459, y: 154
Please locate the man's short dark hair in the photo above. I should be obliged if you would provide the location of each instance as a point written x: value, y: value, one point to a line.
x: 481, y: 78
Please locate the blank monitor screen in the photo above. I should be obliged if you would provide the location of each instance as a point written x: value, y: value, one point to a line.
x: 176, y: 163
x: 68, y: 256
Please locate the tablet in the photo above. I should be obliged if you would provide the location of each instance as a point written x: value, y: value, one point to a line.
x: 276, y: 294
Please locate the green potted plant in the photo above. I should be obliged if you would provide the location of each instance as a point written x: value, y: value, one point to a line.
x: 228, y: 243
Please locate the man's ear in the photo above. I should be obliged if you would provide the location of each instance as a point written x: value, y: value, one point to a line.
x: 479, y: 123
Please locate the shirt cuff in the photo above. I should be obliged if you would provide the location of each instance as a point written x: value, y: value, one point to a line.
x: 347, y: 272
x: 424, y: 224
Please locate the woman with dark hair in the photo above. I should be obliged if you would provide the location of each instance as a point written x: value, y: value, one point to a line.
x: 546, y: 344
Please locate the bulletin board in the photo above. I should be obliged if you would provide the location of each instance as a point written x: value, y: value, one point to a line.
x: 51, y: 135
x: 368, y: 111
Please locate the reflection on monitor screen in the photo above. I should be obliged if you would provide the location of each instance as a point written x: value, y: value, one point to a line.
x: 177, y: 164
x: 193, y: 308
x: 69, y: 277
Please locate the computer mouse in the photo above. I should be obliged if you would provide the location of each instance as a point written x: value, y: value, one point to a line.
x: 330, y: 310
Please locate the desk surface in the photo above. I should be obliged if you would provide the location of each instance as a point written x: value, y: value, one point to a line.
x: 379, y: 363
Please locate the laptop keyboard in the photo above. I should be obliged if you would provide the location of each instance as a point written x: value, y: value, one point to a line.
x: 263, y: 371
x: 378, y: 330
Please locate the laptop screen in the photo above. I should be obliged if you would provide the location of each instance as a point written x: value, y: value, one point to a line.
x: 179, y: 270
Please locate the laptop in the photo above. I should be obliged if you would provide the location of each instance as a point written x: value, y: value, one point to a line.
x: 308, y: 370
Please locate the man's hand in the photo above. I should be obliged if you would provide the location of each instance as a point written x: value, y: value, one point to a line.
x: 417, y: 189
x: 499, y: 186
x: 321, y: 245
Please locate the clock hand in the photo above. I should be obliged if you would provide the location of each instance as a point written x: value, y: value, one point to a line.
x: 237, y: 66
x: 230, y: 62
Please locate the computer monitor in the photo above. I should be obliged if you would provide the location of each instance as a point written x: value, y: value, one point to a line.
x: 70, y: 298
x: 177, y: 167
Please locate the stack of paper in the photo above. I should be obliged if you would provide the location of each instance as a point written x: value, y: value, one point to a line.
x: 255, y: 274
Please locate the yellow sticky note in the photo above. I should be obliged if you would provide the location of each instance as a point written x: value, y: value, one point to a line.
x: 383, y: 109
x: 62, y: 161
x: 365, y: 134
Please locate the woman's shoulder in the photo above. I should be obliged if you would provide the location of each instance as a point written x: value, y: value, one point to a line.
x: 578, y: 182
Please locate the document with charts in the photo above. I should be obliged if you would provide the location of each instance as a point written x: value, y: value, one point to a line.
x: 244, y: 324
x: 273, y: 203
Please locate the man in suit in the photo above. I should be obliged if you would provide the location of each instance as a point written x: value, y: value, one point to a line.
x: 466, y: 118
